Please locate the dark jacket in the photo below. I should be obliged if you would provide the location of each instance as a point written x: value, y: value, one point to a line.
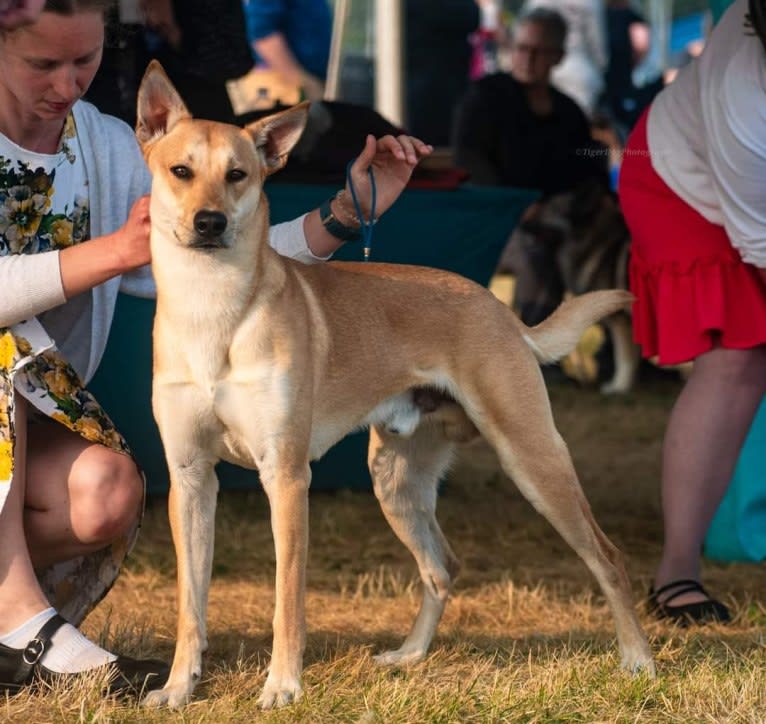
x: 500, y: 141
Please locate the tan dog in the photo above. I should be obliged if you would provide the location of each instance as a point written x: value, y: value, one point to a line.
x: 265, y: 362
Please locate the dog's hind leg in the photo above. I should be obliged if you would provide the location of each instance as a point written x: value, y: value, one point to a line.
x: 534, y: 455
x: 405, y: 474
x: 191, y: 509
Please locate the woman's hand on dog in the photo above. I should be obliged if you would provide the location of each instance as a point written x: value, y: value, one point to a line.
x: 84, y: 266
x: 392, y: 159
x: 133, y: 237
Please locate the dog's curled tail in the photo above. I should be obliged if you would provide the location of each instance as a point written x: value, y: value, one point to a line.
x: 556, y: 336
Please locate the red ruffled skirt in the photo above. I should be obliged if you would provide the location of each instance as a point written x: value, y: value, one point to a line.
x: 693, y: 291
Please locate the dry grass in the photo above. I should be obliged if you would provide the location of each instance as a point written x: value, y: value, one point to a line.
x: 526, y: 637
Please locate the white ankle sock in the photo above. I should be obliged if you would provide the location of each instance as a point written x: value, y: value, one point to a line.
x: 69, y: 651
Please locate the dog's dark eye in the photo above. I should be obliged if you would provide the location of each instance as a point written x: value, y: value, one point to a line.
x: 236, y: 174
x: 182, y: 172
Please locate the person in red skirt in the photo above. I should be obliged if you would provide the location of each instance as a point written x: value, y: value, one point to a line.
x: 693, y: 192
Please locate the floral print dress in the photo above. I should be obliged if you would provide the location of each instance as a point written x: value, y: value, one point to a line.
x: 44, y: 207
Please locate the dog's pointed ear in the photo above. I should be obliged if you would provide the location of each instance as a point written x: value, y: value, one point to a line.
x: 275, y: 135
x: 159, y: 106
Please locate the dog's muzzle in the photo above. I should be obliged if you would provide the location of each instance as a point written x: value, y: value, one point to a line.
x: 209, y: 227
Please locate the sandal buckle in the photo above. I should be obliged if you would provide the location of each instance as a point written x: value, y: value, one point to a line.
x: 33, y: 651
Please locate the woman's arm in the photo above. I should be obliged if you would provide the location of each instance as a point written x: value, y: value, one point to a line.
x: 392, y: 161
x: 87, y: 265
x: 29, y: 285
x: 33, y: 283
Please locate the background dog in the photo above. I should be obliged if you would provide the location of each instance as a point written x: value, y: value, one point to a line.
x: 265, y: 362
x: 582, y: 239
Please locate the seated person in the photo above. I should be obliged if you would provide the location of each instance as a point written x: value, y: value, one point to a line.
x: 581, y: 73
x: 515, y: 129
x: 629, y: 44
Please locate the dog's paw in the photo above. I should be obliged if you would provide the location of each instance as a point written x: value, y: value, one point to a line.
x: 642, y: 664
x: 400, y: 657
x: 280, y: 693
x: 174, y: 697
x: 616, y: 387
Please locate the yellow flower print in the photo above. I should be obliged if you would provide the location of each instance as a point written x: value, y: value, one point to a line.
x: 39, y: 182
x: 58, y: 382
x: 89, y: 429
x: 22, y: 344
x: 5, y: 420
x: 7, y: 350
x: 112, y: 439
x: 63, y: 419
x: 70, y: 131
x: 20, y: 215
x: 61, y: 233
x: 6, y: 460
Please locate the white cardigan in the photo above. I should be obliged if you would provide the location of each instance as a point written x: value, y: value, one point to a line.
x: 117, y: 175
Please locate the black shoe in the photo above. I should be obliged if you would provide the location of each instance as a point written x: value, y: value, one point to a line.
x: 21, y: 668
x: 687, y: 614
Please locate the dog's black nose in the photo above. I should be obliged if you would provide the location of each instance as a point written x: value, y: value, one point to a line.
x: 209, y: 223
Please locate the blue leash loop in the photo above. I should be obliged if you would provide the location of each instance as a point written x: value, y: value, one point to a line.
x: 366, y: 224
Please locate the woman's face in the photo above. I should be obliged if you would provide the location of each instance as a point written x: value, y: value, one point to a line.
x: 532, y: 54
x: 47, y: 66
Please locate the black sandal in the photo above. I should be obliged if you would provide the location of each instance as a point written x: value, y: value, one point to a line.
x: 21, y: 668
x: 687, y: 614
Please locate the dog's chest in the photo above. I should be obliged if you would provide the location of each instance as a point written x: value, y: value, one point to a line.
x: 238, y: 410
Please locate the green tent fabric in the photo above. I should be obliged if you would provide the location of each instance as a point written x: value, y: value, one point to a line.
x: 464, y: 230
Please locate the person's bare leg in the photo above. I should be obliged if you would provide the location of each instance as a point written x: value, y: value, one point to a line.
x: 705, y: 433
x: 69, y: 497
x: 20, y: 594
x: 80, y: 496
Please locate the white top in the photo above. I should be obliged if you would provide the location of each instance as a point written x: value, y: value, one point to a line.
x: 44, y: 207
x: 30, y: 284
x: 707, y: 134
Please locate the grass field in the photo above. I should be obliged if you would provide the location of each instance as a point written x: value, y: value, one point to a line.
x: 526, y: 637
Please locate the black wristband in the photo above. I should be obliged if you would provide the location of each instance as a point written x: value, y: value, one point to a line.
x: 334, y: 227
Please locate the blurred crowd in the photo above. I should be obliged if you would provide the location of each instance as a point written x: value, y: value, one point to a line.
x: 203, y: 44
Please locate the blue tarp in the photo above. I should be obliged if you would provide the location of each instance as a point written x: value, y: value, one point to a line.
x: 686, y: 30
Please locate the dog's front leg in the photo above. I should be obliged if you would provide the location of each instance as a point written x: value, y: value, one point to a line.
x: 287, y: 490
x: 191, y: 508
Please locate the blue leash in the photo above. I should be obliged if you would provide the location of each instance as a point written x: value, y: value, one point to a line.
x: 366, y: 224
